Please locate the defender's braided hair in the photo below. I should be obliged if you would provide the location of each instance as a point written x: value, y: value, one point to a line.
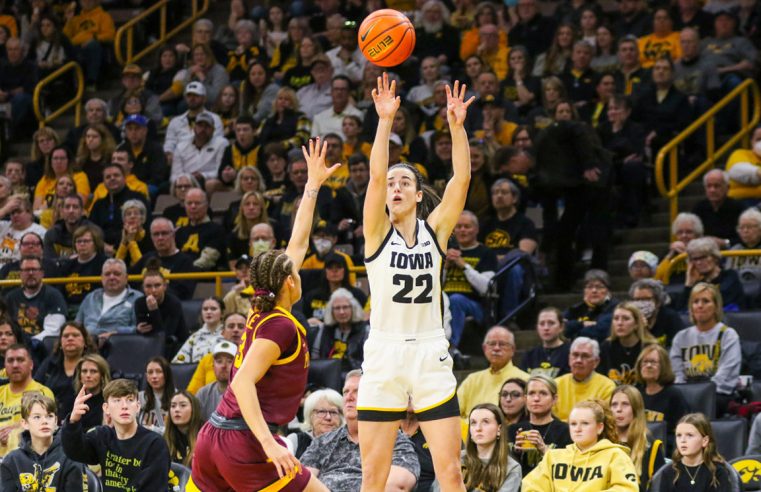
x: 267, y: 274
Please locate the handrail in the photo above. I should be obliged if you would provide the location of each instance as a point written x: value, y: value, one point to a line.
x: 494, y: 293
x: 216, y: 276
x: 730, y: 253
x: 128, y: 30
x: 742, y: 91
x: 76, y: 101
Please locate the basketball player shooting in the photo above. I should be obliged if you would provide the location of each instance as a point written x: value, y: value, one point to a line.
x: 406, y: 354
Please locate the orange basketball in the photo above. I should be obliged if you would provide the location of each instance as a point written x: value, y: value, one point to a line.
x: 386, y: 37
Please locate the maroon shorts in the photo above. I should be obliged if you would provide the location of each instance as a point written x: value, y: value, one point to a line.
x: 233, y: 460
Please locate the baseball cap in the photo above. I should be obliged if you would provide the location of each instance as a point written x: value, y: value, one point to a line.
x: 645, y: 256
x: 137, y: 119
x: 132, y: 69
x: 205, y: 117
x: 396, y: 140
x: 196, y: 88
x: 225, y: 347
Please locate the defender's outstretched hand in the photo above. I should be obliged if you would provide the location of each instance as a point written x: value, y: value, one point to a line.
x: 457, y: 106
x: 386, y: 102
x: 318, y: 172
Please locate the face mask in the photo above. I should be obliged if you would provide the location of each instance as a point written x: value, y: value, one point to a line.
x: 322, y: 246
x: 757, y: 148
x: 647, y: 308
x: 260, y: 246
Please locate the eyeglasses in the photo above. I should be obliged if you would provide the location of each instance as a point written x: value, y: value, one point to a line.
x: 325, y: 413
x: 699, y: 258
x: 28, y: 244
x: 30, y: 270
x: 511, y: 395
x: 582, y: 356
x: 182, y: 186
x: 650, y: 362
x: 161, y: 233
x: 83, y: 240
x: 495, y: 343
x: 595, y: 287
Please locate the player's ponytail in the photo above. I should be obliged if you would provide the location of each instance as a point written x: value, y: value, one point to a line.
x: 268, y: 273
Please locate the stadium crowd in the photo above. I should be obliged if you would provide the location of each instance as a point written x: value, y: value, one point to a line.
x: 196, y: 166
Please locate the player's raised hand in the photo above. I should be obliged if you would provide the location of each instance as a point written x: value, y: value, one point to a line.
x: 457, y: 106
x: 318, y: 172
x: 80, y: 406
x: 386, y: 102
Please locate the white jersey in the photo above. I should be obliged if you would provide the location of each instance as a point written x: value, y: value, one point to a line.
x: 405, y: 283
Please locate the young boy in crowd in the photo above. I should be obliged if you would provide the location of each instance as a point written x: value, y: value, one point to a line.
x: 130, y: 456
x: 40, y: 463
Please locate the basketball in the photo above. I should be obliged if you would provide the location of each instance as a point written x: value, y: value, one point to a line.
x: 386, y: 37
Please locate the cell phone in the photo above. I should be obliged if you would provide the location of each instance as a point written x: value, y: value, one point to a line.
x: 145, y: 318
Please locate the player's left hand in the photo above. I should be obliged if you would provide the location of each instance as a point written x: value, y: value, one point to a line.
x: 315, y: 157
x: 457, y: 106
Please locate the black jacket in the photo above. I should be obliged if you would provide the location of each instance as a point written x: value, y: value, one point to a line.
x: 23, y: 469
x: 52, y: 374
x: 167, y: 319
x: 322, y: 346
x: 58, y: 240
x: 107, y: 213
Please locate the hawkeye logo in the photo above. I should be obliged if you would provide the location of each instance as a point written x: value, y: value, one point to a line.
x: 749, y: 470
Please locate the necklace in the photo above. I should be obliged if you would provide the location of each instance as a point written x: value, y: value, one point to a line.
x: 692, y: 478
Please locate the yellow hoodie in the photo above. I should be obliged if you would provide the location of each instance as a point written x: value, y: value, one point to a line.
x: 604, y: 466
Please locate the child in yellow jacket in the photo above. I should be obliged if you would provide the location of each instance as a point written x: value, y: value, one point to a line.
x: 92, y: 23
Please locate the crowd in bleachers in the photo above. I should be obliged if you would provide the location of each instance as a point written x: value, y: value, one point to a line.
x: 195, y: 165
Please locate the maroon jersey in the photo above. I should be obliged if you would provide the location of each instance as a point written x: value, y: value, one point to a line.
x: 281, y: 388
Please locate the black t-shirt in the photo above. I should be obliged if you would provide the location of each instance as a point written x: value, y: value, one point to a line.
x: 29, y: 313
x: 193, y: 239
x: 505, y: 235
x: 617, y: 362
x: 667, y: 405
x: 482, y: 259
x: 75, y: 292
x: 427, y: 475
x: 721, y: 223
x: 177, y: 214
x: 551, y: 362
x: 555, y: 435
x: 176, y: 263
x: 702, y: 476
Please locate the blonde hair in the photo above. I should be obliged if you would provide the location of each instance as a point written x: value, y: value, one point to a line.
x: 701, y: 287
x: 643, y: 334
x: 603, y: 415
x: 637, y: 434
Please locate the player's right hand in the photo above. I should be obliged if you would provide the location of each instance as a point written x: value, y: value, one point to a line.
x: 285, y: 463
x: 386, y: 102
x: 80, y: 406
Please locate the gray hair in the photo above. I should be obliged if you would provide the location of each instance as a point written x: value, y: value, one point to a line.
x: 203, y: 22
x: 329, y: 395
x: 686, y: 216
x: 135, y: 204
x: 724, y: 176
x: 513, y: 187
x: 354, y: 373
x: 114, y: 261
x: 193, y: 182
x: 751, y: 214
x: 500, y: 327
x: 704, y: 246
x: 163, y: 220
x: 357, y: 314
x: 248, y: 25
x: 654, y: 286
x: 472, y: 216
x: 444, y: 10
x: 587, y: 341
x: 99, y: 101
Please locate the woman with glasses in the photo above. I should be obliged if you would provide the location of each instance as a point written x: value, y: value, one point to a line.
x: 343, y: 334
x: 582, y: 317
x: 179, y: 187
x: 704, y: 264
x: 323, y: 413
x: 655, y: 380
x: 86, y: 262
x: 512, y: 400
x: 749, y: 230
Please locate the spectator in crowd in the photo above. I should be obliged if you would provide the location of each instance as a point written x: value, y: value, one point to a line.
x: 18, y: 367
x: 540, y: 431
x: 580, y: 79
x: 159, y: 312
x: 663, y: 322
x: 201, y: 156
x: 343, y: 334
x: 533, y: 30
x: 58, y: 242
x: 11, y: 231
x: 486, y: 461
x: 685, y: 228
x: 246, y: 50
x: 512, y: 400
x: 30, y: 244
x: 323, y: 413
x: 422, y: 94
x: 435, y: 36
x: 90, y: 32
x: 251, y: 210
x: 203, y: 33
x: 743, y: 170
x: 15, y: 171
x: 109, y: 310
x: 610, y: 465
x: 317, y: 96
x: 51, y: 212
x: 201, y: 239
x: 582, y: 318
x: 205, y: 69
x: 132, y: 84
x: 87, y: 261
x: 469, y: 267
x: 732, y: 54
x: 57, y: 370
x: 346, y: 207
x: 210, y: 395
x: 178, y: 189
x: 180, y: 127
x: 655, y: 380
x: 144, y: 462
x: 556, y: 58
x: 694, y: 73
x: 299, y: 75
x: 93, y: 374
x: 694, y: 354
x: 258, y: 92
x: 96, y: 113
x: 335, y: 274
x: 633, y: 18
x: 583, y: 382
x: 697, y: 447
x: 631, y: 76
x: 155, y: 400
x: 202, y: 341
x: 493, y: 53
x: 182, y: 427
x: 346, y: 58
x: 642, y: 265
x: 49, y: 48
x: 754, y: 441
x: 520, y: 87
x: 40, y: 461
x: 146, y: 154
x: 287, y: 127
x: 541, y: 116
x: 647, y: 453
x: 663, y: 41
x: 37, y: 309
x: 717, y: 211
x: 334, y: 457
x: 106, y: 212
x: 232, y: 332
x: 749, y: 230
x: 18, y: 76
x: 238, y: 298
x: 704, y: 265
x: 551, y: 357
x: 482, y: 14
x: 170, y: 258
x: 690, y: 15
x: 606, y: 58
x: 484, y: 386
x: 330, y: 120
x: 9, y: 335
x: 240, y: 153
x: 628, y: 334
x: 134, y: 241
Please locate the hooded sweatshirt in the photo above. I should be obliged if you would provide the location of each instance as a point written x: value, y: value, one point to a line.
x: 24, y: 469
x: 603, y: 467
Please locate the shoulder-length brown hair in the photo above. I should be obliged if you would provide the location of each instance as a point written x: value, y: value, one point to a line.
x: 172, y: 432
x: 490, y: 475
x: 103, y: 369
x: 666, y: 375
x: 107, y: 144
